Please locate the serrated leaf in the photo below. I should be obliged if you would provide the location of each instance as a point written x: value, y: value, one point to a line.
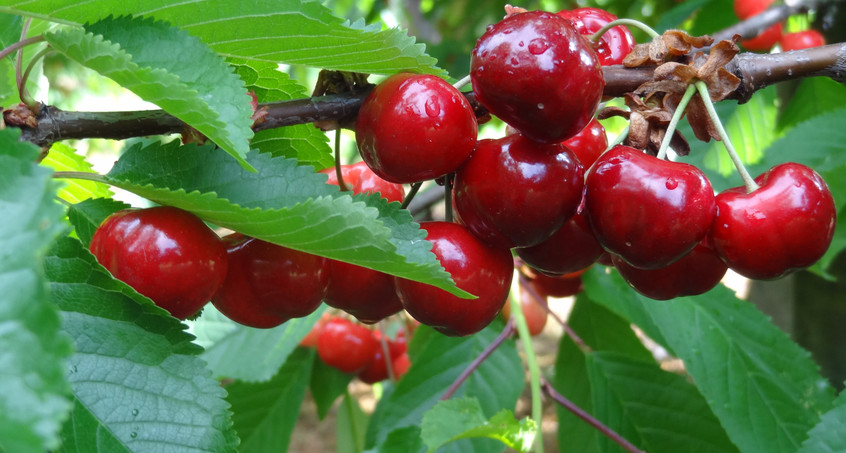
x: 33, y: 352
x: 87, y: 215
x: 657, y: 410
x: 462, y: 418
x: 327, y: 384
x: 827, y: 436
x: 265, y: 413
x: 245, y: 353
x: 765, y: 390
x: 84, y: 433
x: 135, y: 371
x: 352, y: 425
x: 303, y: 142
x: 170, y: 68
x: 64, y: 158
x: 285, y: 204
x: 284, y: 31
x: 497, y: 383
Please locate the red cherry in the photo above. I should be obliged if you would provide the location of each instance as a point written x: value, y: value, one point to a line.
x: 538, y: 74
x: 516, y: 192
x: 164, y: 253
x: 561, y: 286
x: 648, y: 211
x: 346, y: 346
x: 802, y: 40
x: 573, y: 247
x: 695, y: 273
x: 377, y: 369
x: 268, y: 284
x: 401, y: 365
x: 614, y: 44
x: 744, y: 9
x: 310, y: 340
x: 589, y: 143
x: 415, y: 127
x: 785, y: 225
x: 536, y: 315
x: 360, y: 179
x: 765, y: 40
x: 477, y: 268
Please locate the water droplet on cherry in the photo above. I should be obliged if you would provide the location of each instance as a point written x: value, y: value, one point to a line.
x: 433, y: 106
x: 514, y: 61
x: 538, y: 46
x: 521, y: 44
x: 671, y: 183
x: 540, y: 106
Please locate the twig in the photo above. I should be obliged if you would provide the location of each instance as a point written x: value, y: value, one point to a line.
x: 524, y: 282
x: 506, y: 332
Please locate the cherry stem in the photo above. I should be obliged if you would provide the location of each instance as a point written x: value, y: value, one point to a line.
x: 674, y: 121
x: 411, y: 193
x: 462, y: 83
x: 748, y: 181
x: 540, y: 300
x: 634, y: 23
x: 386, y: 352
x: 448, y: 197
x: 531, y: 359
x: 582, y: 414
x: 87, y: 176
x: 338, y: 172
x: 19, y: 77
x: 506, y: 332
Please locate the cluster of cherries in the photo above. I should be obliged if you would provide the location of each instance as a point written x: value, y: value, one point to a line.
x: 744, y: 9
x: 548, y: 191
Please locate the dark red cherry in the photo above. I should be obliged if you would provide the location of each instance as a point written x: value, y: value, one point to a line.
x: 516, y: 192
x: 614, y: 44
x: 558, y: 286
x: 268, y: 284
x: 537, y: 73
x: 589, y: 143
x: 376, y: 369
x: 647, y: 210
x: 359, y: 178
x: 695, y: 273
x: 802, y: 40
x: 477, y: 268
x: 414, y: 127
x: 346, y: 346
x: 785, y: 225
x: 164, y: 253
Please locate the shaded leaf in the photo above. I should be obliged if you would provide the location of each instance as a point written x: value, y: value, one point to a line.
x: 462, y: 418
x: 352, y: 426
x: 327, y: 384
x: 87, y: 215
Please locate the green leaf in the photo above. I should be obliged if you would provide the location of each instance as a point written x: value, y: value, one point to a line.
x: 265, y: 413
x: 33, y: 351
x: 402, y: 440
x: 652, y: 408
x: 352, y: 426
x: 497, y: 383
x: 462, y: 418
x: 814, y: 96
x: 285, y: 204
x: 170, y: 68
x: 327, y: 384
x: 765, y: 390
x: 135, y: 372
x: 245, y: 353
x: 10, y: 32
x: 87, y: 215
x: 84, y: 433
x: 283, y: 31
x: 827, y: 436
x: 64, y: 158
x: 303, y: 142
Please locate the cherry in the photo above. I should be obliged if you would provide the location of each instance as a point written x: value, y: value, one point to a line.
x: 414, y: 127
x: 785, y: 225
x: 346, y: 346
x: 559, y: 286
x: 513, y: 191
x: 401, y: 365
x: 765, y: 40
x: 802, y: 40
x: 744, y: 9
x: 268, y: 284
x: 589, y: 143
x: 359, y: 178
x: 573, y: 247
x: 614, y: 44
x: 647, y: 210
x: 536, y: 315
x: 537, y: 73
x: 477, y: 268
x: 164, y: 253
x: 310, y: 340
x: 695, y: 273
x: 376, y: 369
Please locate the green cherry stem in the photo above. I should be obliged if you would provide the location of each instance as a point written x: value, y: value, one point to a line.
x: 461, y: 83
x: 86, y: 176
x: 531, y: 359
x: 674, y: 121
x: 338, y: 172
x: 634, y: 23
x: 386, y: 352
x: 411, y: 193
x: 19, y: 45
x: 619, y: 138
x: 748, y: 181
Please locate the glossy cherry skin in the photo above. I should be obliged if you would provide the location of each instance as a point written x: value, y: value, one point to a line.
x: 647, y: 210
x: 765, y: 40
x: 479, y: 269
x: 802, y: 40
x: 359, y: 178
x: 614, y: 44
x: 571, y: 248
x: 346, y: 346
x: 164, y: 253
x: 268, y: 284
x: 589, y: 143
x: 744, y: 9
x: 695, y: 273
x: 534, y: 71
x: 414, y: 127
x: 785, y: 225
x: 514, y: 192
x: 557, y: 286
x: 376, y: 369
